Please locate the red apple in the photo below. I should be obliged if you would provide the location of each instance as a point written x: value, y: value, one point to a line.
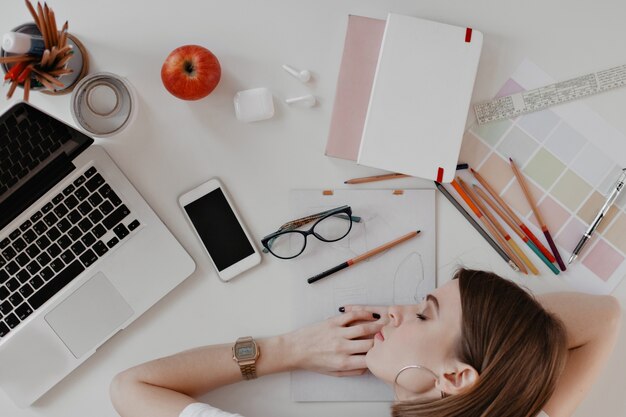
x: 191, y: 72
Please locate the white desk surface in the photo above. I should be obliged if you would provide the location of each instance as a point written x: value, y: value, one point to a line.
x: 175, y: 145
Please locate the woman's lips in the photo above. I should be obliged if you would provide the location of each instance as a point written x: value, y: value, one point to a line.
x: 379, y: 336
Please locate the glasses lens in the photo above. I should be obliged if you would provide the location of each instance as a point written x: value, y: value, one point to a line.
x: 287, y: 245
x: 334, y: 227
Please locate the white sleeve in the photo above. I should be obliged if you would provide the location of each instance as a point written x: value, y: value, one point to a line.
x: 204, y: 410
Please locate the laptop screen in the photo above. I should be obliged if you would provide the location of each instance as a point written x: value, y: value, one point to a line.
x: 36, y: 152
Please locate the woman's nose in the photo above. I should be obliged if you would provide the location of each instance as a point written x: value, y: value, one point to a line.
x: 395, y: 315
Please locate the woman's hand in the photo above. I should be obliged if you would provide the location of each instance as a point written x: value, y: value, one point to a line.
x: 336, y: 346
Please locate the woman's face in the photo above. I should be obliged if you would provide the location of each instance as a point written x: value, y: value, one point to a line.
x: 424, y: 334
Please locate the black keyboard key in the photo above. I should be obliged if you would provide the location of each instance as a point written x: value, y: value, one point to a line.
x: 4, y: 293
x: 16, y: 299
x: 22, y: 276
x: 78, y: 248
x: 23, y: 311
x: 81, y: 193
x: 114, y: 241
x: 36, y: 282
x: 26, y: 290
x: 2, y: 261
x: 88, y: 239
x: 9, y: 253
x: 88, y: 257
x: 64, y: 242
x: 68, y: 256
x: 58, y: 198
x: 95, y: 216
x: 68, y: 190
x: 114, y: 199
x: 33, y: 267
x: 33, y: 250
x: 79, y: 181
x: 90, y: 172
x: 4, y: 275
x: 44, y: 258
x: 22, y: 259
x: 64, y: 225
x: 84, y: 208
x: 74, y: 216
x: 57, y: 265
x: 53, y: 233
x: 99, y: 231
x: 35, y: 217
x: 85, y: 224
x: 29, y: 236
x: 12, y: 284
x: 54, y: 250
x: 60, y: 210
x: 5, y: 308
x: 94, y: 182
x: 50, y: 219
x: 46, y: 273
x: 105, y: 190
x: 40, y: 227
x: 14, y: 235
x: 74, y: 233
x: 46, y: 208
x: 4, y: 329
x: 100, y: 248
x: 19, y: 244
x: 56, y: 284
x: 117, y: 216
x: 4, y: 243
x: 121, y: 231
x: 11, y: 320
x: 106, y: 207
x: 43, y: 242
x: 71, y: 202
x: 95, y: 199
x: 133, y: 225
x: 24, y: 226
x: 12, y: 268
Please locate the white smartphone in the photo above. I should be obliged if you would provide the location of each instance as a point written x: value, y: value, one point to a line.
x: 220, y: 229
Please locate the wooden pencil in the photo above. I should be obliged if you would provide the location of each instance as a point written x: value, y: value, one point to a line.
x: 63, y: 38
x: 500, y: 235
x: 382, y: 177
x: 33, y: 13
x: 53, y: 26
x: 43, y: 29
x: 516, y: 229
x: 533, y: 206
x: 485, y: 223
x: 511, y: 213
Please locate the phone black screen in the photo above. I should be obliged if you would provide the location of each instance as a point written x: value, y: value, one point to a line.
x: 219, y: 229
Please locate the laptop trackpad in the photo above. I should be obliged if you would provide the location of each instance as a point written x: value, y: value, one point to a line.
x: 90, y: 315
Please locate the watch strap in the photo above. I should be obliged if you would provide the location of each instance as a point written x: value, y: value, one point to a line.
x: 247, y: 367
x: 248, y: 371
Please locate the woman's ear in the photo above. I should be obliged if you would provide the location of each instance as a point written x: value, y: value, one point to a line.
x: 460, y: 378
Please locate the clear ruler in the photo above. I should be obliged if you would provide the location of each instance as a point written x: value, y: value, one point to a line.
x: 543, y: 97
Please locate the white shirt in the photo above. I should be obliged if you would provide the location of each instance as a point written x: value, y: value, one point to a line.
x: 205, y: 410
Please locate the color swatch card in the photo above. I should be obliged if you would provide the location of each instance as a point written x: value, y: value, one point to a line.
x: 420, y: 98
x: 404, y: 274
x: 571, y: 158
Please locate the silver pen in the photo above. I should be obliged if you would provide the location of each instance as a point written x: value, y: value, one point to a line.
x: 617, y: 189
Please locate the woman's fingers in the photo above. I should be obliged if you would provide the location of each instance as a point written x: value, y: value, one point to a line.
x: 352, y: 316
x: 364, y: 330
x: 355, y: 372
x: 381, y: 310
x: 354, y: 347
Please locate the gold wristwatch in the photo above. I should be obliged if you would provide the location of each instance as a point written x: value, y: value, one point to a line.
x: 245, y: 353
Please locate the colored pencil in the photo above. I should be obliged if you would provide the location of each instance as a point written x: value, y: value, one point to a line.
x: 482, y: 201
x: 364, y: 256
x: 476, y: 226
x: 516, y: 229
x: 382, y: 177
x: 487, y: 220
x: 533, y: 206
x: 511, y: 213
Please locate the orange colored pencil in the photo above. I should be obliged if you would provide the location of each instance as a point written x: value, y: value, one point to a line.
x: 511, y: 213
x: 533, y: 206
x: 382, y: 177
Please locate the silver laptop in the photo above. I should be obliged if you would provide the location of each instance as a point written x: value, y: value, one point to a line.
x: 82, y: 255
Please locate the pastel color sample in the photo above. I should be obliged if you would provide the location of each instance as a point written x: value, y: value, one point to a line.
x: 592, y: 165
x: 491, y: 132
x: 592, y: 206
x: 473, y: 151
x: 517, y: 145
x: 609, y: 181
x: 509, y: 87
x: 539, y: 124
x: 571, y: 190
x: 565, y: 142
x: 544, y: 168
x: 516, y: 199
x: 553, y: 214
x: 603, y: 260
x: 616, y: 234
x: 497, y: 172
x: 569, y: 236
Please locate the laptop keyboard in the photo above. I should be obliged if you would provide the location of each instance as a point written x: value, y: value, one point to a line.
x: 27, y: 139
x: 63, y: 238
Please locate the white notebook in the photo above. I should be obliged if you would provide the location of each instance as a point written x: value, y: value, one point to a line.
x: 420, y: 98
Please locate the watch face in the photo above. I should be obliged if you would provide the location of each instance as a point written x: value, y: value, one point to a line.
x: 245, y: 351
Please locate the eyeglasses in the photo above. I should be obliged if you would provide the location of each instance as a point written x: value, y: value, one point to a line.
x: 330, y: 226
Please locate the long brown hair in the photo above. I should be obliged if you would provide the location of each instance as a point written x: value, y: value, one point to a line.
x: 515, y: 345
